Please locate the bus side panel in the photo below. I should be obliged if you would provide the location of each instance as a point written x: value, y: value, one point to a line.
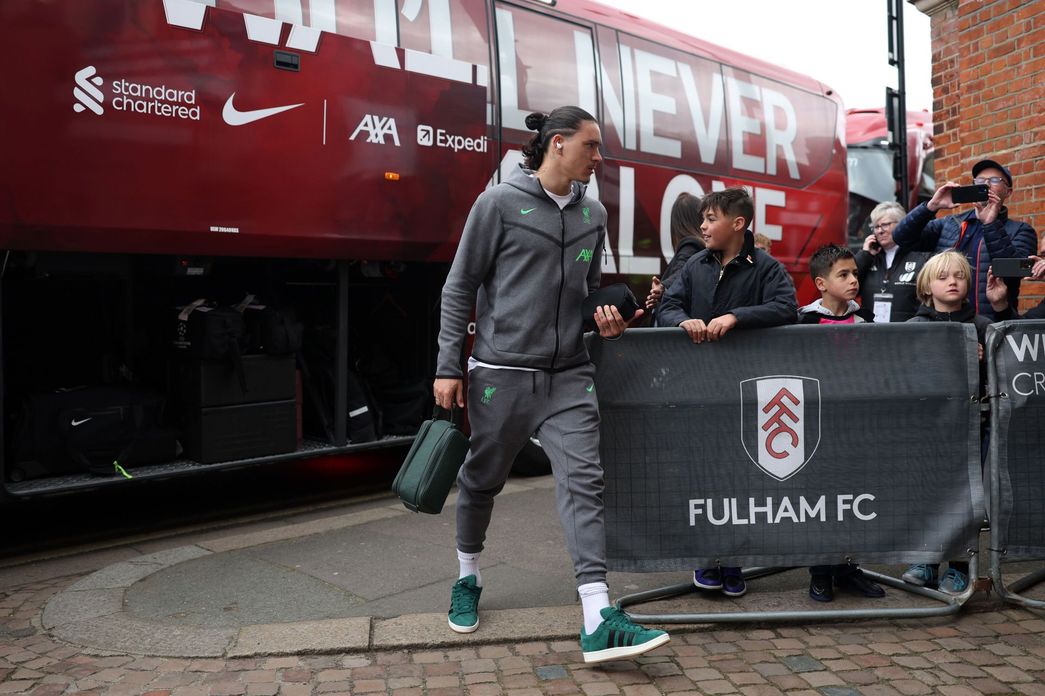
x: 127, y: 134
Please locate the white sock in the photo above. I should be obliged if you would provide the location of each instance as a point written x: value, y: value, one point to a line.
x: 469, y: 565
x: 595, y: 596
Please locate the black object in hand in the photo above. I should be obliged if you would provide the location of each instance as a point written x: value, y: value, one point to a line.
x: 977, y: 193
x: 1012, y: 268
x: 619, y: 295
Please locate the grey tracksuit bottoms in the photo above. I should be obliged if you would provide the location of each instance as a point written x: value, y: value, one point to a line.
x: 505, y: 407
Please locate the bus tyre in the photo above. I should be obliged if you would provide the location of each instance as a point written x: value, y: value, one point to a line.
x: 532, y: 461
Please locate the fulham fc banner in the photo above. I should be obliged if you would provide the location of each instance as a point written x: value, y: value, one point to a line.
x: 799, y: 445
x: 1016, y: 355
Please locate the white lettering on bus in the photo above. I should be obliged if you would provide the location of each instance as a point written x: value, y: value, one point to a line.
x: 650, y: 102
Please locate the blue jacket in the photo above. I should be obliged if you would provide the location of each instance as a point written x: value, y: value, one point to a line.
x: 1002, y: 239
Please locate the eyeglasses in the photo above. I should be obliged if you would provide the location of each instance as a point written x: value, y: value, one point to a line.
x: 883, y: 226
x: 992, y: 180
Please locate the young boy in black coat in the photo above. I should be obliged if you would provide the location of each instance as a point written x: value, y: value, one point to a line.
x: 730, y: 284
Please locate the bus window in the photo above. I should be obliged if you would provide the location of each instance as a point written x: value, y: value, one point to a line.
x: 447, y: 28
x: 544, y: 63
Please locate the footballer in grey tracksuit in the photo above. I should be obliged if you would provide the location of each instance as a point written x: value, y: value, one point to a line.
x: 527, y: 265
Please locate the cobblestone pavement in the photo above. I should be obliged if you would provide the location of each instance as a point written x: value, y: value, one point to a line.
x: 992, y: 652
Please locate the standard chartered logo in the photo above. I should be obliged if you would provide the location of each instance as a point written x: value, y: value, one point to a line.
x: 86, y: 91
x: 133, y: 97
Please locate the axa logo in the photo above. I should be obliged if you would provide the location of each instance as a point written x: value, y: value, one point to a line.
x: 86, y: 91
x: 585, y: 255
x: 780, y: 422
x: 376, y: 128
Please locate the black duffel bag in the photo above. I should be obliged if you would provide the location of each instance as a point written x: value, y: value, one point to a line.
x: 101, y: 430
x: 207, y: 332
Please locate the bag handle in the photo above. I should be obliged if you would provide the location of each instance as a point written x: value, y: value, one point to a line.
x: 453, y: 414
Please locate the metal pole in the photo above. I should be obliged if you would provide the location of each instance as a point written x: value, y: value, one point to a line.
x: 341, y: 358
x: 896, y: 57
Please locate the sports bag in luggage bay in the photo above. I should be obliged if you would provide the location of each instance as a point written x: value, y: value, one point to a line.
x: 431, y: 466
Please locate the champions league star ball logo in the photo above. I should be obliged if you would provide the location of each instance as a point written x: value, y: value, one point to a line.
x: 780, y: 422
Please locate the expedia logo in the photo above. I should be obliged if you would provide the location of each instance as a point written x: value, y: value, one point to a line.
x: 437, y: 137
x: 780, y: 422
x: 86, y: 91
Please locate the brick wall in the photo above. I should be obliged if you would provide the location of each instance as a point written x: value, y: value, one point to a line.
x: 988, y: 91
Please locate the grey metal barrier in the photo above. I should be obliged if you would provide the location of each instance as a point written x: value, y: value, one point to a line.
x: 1015, y: 355
x: 788, y: 447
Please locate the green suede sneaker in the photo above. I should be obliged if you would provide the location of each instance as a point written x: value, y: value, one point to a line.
x: 618, y: 637
x: 464, y: 605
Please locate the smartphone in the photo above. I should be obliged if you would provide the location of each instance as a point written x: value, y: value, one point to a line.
x: 1012, y: 268
x: 875, y: 246
x: 977, y: 193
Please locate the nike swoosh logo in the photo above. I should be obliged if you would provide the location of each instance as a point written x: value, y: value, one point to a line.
x: 79, y: 422
x: 588, y: 389
x: 527, y: 211
x: 235, y: 117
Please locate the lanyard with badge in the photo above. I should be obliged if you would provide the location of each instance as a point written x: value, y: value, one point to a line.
x: 883, y: 301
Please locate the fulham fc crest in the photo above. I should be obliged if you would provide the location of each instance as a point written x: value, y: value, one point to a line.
x: 780, y: 422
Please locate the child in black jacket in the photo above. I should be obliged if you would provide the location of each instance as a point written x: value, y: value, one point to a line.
x: 943, y: 288
x: 730, y: 284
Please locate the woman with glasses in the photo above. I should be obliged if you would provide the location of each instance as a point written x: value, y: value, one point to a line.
x: 886, y: 272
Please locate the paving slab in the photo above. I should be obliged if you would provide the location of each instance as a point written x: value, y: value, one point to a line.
x: 303, y: 638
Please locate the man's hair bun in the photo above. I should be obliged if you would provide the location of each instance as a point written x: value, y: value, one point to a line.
x: 536, y: 121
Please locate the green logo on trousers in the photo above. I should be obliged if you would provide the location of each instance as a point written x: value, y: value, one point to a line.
x: 488, y: 394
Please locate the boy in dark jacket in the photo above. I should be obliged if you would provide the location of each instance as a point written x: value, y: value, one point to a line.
x: 943, y: 286
x: 730, y: 284
x: 833, y: 269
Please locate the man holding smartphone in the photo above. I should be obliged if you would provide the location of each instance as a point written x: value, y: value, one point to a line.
x: 983, y: 233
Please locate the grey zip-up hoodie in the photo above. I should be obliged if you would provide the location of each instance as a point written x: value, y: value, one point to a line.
x: 531, y: 265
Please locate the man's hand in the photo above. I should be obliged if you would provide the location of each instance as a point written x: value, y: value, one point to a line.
x: 610, y: 323
x: 941, y: 200
x: 656, y: 291
x: 720, y: 326
x: 988, y: 212
x: 997, y: 292
x: 696, y: 328
x: 448, y: 391
x: 871, y: 244
x: 1038, y: 270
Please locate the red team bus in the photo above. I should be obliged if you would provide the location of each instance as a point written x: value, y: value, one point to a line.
x: 321, y: 156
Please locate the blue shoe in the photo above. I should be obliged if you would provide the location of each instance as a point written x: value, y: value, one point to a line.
x: 954, y: 582
x: 707, y: 578
x: 464, y: 605
x: 618, y: 637
x: 921, y: 574
x: 733, y: 584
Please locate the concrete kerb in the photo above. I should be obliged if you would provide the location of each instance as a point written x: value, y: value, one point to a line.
x: 93, y: 613
x: 90, y: 613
